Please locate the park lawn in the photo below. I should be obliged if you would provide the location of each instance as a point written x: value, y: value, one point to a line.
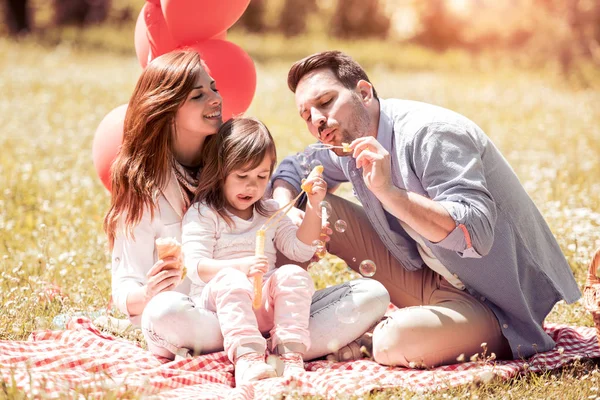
x: 52, y: 204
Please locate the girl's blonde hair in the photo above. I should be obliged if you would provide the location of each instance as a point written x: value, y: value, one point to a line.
x: 240, y: 143
x: 143, y: 165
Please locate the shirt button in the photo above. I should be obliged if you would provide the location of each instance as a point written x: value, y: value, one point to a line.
x: 505, y: 326
x: 117, y: 259
x: 482, y: 298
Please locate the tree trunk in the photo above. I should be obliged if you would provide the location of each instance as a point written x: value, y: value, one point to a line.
x: 253, y: 18
x: 293, y: 16
x: 359, y: 18
x: 80, y: 12
x: 17, y: 17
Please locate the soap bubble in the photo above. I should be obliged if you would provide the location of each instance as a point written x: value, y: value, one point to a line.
x: 367, y: 268
x: 353, y: 259
x: 340, y: 225
x: 302, y: 160
x: 346, y: 311
x: 321, y: 251
x: 314, y: 163
x: 324, y: 205
x: 333, y: 345
x: 318, y: 243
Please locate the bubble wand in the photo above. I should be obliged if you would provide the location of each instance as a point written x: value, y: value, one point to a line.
x: 258, y: 278
x: 261, y: 233
x: 324, y: 216
x: 324, y: 146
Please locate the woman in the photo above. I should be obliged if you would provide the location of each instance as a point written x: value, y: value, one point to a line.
x: 173, y: 111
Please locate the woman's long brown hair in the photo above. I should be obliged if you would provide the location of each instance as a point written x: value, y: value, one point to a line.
x: 240, y: 143
x: 143, y: 164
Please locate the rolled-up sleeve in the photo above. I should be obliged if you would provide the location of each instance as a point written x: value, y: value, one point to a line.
x: 198, y: 239
x: 291, y: 171
x: 132, y: 258
x: 448, y: 160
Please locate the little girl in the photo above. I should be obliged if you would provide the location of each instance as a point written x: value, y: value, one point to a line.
x: 219, y: 237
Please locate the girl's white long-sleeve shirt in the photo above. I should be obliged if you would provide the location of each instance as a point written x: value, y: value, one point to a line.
x: 206, y: 235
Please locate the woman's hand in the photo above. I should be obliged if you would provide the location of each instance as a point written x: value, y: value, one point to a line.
x: 375, y: 162
x: 253, y: 265
x: 163, y: 276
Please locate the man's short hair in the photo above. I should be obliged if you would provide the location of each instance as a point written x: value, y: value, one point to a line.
x: 346, y: 70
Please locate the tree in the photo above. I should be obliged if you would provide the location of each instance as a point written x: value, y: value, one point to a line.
x: 440, y: 29
x: 80, y: 12
x: 359, y: 18
x: 253, y: 18
x: 17, y: 17
x: 294, y: 15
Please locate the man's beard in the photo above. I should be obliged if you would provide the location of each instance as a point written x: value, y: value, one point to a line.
x: 358, y: 126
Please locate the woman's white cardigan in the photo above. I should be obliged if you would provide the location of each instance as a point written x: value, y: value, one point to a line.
x: 133, y: 256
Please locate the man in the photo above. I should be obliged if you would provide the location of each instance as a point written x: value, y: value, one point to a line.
x: 461, y: 248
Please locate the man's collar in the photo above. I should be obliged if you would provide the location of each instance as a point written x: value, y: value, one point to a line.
x: 385, y: 130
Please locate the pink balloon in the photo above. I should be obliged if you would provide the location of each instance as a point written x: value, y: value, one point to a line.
x: 192, y: 21
x: 107, y: 140
x: 234, y: 72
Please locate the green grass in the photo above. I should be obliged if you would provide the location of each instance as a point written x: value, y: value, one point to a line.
x: 55, y: 92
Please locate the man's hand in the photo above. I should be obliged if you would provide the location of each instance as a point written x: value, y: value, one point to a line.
x: 375, y: 162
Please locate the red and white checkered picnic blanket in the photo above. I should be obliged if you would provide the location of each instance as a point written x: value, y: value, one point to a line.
x: 83, y: 360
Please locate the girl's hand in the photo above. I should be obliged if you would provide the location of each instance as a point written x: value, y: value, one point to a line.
x: 253, y: 265
x: 375, y: 162
x: 318, y: 192
x: 163, y: 276
x: 326, y: 232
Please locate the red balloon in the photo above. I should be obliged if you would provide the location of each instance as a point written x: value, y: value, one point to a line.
x: 192, y: 21
x: 234, y: 72
x: 220, y: 36
x: 151, y: 33
x: 140, y: 39
x: 152, y: 37
x: 107, y: 140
